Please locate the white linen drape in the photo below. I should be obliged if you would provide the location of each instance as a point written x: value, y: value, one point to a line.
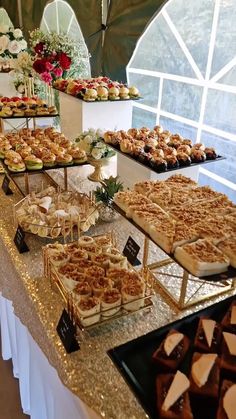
x: 43, y: 396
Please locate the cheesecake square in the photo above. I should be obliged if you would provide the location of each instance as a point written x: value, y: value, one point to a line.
x: 207, y: 330
x: 172, y: 361
x: 181, y: 409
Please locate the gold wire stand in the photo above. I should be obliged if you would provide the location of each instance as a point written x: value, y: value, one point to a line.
x: 187, y: 297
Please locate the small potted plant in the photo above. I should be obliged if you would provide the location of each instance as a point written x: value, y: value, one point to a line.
x: 104, y: 194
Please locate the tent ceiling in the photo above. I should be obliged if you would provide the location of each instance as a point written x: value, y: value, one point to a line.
x: 126, y: 20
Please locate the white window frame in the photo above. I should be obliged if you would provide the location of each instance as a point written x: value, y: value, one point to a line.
x: 205, y: 82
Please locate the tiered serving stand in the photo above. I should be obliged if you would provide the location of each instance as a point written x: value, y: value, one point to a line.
x: 222, y: 283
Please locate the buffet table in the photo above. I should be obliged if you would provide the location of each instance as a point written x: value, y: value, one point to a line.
x: 53, y: 384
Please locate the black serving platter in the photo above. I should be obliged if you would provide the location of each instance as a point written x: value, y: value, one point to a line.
x: 229, y: 274
x: 97, y: 100
x: 30, y: 116
x: 117, y: 148
x: 134, y: 359
x: 44, y: 169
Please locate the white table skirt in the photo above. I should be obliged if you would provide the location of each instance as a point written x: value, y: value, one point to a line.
x: 43, y: 396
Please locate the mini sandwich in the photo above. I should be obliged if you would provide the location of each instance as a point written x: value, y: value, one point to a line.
x: 33, y: 163
x: 114, y: 93
x: 90, y: 95
x: 64, y: 160
x: 16, y: 167
x: 79, y: 156
x: 133, y: 91
x: 102, y: 93
x: 49, y: 160
x: 124, y: 93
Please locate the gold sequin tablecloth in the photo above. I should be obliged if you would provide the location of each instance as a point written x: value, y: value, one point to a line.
x: 89, y: 372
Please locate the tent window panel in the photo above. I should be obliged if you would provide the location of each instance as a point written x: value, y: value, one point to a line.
x: 220, y: 187
x: 229, y: 78
x: 220, y: 110
x: 149, y: 88
x: 225, y: 43
x: 181, y: 99
x: 74, y: 30
x: 225, y: 148
x: 50, y: 17
x: 142, y: 118
x: 175, y: 126
x: 159, y: 50
x: 195, y: 32
x: 64, y: 15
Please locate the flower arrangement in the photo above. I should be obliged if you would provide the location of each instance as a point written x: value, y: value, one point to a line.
x: 91, y: 142
x: 12, y: 42
x: 57, y: 56
x: 23, y: 69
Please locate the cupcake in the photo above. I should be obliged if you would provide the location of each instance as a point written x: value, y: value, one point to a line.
x: 158, y: 164
x: 184, y: 148
x: 183, y: 159
x: 88, y: 310
x: 101, y: 284
x: 110, y: 302
x: 83, y: 289
x: 210, y: 153
x: 172, y: 162
x: 85, y: 241
x: 132, y: 296
x: 198, y: 156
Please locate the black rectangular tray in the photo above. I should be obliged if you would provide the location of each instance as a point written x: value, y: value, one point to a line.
x: 167, y: 170
x: 29, y: 116
x: 100, y: 101
x: 44, y: 169
x: 229, y: 274
x: 134, y: 359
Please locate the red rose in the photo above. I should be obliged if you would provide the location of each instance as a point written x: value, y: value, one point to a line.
x: 64, y: 60
x: 39, y: 47
x: 39, y: 66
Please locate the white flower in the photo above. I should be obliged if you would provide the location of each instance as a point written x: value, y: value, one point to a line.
x: 4, y: 41
x: 4, y: 28
x: 14, y: 47
x: 21, y: 88
x: 23, y: 44
x: 84, y: 146
x: 88, y: 139
x: 17, y: 33
x: 99, y: 132
x: 92, y: 131
x: 96, y: 153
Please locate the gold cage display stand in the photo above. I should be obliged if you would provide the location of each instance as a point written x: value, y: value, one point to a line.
x: 222, y: 283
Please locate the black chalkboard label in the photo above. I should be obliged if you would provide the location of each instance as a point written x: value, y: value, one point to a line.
x: 131, y: 250
x: 66, y: 331
x: 5, y: 186
x: 19, y: 240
